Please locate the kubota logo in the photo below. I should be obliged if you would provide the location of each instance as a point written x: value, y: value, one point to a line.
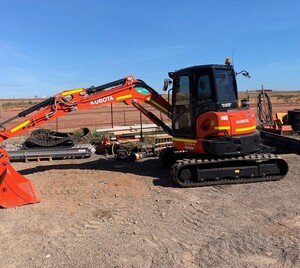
x: 242, y: 121
x: 102, y: 100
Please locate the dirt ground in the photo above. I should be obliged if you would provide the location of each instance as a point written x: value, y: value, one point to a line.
x: 98, y: 212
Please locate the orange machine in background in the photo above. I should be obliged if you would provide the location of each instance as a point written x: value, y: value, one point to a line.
x: 215, y: 140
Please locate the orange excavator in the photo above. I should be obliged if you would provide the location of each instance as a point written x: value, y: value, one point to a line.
x: 215, y: 140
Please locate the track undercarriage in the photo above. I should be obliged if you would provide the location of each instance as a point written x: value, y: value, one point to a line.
x: 200, y: 171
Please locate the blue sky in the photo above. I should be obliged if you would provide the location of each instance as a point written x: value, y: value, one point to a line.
x: 48, y: 46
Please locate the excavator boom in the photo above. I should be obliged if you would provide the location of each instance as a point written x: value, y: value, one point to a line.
x: 127, y: 90
x: 15, y: 189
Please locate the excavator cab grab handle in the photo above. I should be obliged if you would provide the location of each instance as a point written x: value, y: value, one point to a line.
x: 167, y: 82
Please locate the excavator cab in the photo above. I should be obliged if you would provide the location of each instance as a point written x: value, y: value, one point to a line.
x: 207, y: 116
x: 200, y: 89
x: 215, y: 140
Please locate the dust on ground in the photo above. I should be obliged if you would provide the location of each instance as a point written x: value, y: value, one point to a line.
x: 98, y: 212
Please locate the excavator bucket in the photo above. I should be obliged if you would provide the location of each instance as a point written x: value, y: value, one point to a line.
x: 15, y: 189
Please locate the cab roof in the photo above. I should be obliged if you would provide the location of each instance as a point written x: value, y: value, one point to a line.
x: 201, y: 67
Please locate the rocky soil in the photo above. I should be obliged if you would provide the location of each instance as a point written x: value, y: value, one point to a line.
x: 98, y: 212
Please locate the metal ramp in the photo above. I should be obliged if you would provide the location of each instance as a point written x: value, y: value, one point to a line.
x: 77, y: 151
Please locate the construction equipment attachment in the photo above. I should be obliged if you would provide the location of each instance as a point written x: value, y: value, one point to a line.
x: 15, y: 189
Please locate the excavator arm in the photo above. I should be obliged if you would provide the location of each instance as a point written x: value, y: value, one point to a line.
x: 127, y: 90
x: 15, y: 189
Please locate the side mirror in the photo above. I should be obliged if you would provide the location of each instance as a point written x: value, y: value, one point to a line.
x: 244, y: 73
x: 167, y: 82
x: 244, y: 103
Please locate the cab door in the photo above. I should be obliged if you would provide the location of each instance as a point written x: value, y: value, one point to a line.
x: 182, y: 123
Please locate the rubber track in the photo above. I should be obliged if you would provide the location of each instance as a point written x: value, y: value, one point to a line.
x: 61, y: 142
x: 198, y: 162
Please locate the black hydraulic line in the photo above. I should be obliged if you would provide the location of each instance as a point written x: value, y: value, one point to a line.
x: 153, y: 118
x: 141, y: 83
x: 34, y: 108
x: 92, y: 90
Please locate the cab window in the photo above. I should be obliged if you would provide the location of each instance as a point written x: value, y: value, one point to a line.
x: 224, y: 86
x: 183, y: 93
x: 182, y: 106
x: 203, y: 89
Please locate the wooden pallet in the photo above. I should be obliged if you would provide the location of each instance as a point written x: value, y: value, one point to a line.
x: 38, y: 158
